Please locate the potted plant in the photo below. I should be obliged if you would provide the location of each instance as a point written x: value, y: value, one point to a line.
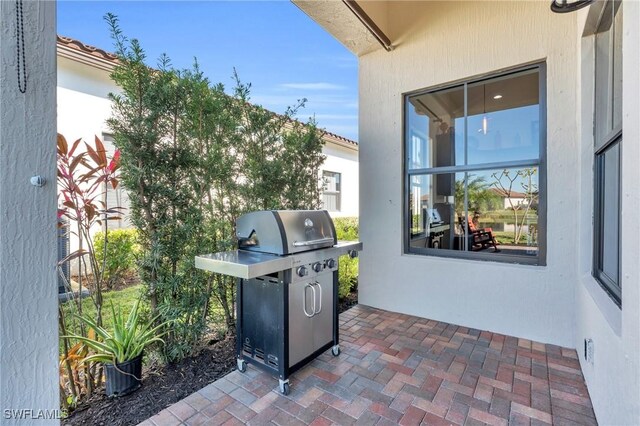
x: 120, y: 350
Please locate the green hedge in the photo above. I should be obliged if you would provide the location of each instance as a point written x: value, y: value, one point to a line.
x: 122, y: 251
x: 347, y: 230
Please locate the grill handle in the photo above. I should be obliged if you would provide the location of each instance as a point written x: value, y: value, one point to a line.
x: 304, y: 300
x: 314, y: 303
x: 312, y: 242
x: 249, y: 241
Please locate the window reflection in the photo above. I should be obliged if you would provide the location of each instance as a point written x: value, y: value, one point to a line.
x: 503, y: 123
x: 473, y: 156
x: 432, y: 202
x: 608, y: 68
x: 435, y: 129
x: 494, y: 211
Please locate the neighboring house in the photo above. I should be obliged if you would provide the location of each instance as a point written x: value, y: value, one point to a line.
x: 340, y: 172
x: 84, y: 84
x: 511, y: 199
x: 451, y: 90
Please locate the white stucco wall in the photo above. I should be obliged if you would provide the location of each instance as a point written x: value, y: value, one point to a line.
x: 436, y: 43
x: 614, y: 377
x: 83, y: 104
x: 28, y: 286
x: 344, y: 161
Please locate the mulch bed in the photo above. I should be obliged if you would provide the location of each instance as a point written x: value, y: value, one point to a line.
x: 161, y: 387
x: 165, y: 385
x: 348, y: 302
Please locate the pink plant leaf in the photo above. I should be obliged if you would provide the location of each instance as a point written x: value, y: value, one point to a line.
x: 101, y: 151
x: 74, y: 146
x: 93, y: 154
x: 115, y: 162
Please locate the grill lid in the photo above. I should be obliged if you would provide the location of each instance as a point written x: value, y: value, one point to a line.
x: 285, y: 231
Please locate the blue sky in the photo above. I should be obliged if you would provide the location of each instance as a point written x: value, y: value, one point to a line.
x: 272, y: 44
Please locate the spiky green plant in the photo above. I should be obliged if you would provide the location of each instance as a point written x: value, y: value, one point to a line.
x: 126, y: 341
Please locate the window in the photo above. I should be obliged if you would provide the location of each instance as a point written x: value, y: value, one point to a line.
x: 607, y: 150
x: 116, y: 197
x: 331, y: 194
x: 474, y: 169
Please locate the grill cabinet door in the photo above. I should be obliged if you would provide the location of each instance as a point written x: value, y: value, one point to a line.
x: 300, y: 325
x: 323, y: 321
x: 261, y: 320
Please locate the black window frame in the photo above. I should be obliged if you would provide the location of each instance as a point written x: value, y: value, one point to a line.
x: 540, y: 259
x: 601, y: 145
x: 611, y: 285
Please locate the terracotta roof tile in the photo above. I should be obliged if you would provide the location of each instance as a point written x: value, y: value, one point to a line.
x: 341, y: 138
x: 87, y: 49
x: 508, y: 194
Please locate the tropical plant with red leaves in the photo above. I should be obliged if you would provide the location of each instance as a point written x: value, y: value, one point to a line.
x: 85, y: 174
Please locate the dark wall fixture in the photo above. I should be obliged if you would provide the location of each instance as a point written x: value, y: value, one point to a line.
x: 565, y: 6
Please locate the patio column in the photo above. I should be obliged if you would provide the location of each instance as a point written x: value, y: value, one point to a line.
x: 28, y: 286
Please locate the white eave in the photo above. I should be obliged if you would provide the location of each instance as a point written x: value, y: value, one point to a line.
x: 331, y: 138
x: 84, y: 58
x: 348, y: 23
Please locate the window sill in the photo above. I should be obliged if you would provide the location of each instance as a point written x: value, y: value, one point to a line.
x: 481, y: 256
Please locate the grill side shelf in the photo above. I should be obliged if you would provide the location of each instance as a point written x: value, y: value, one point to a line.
x: 243, y: 264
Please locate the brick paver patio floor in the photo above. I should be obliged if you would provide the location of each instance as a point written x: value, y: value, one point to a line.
x: 400, y: 369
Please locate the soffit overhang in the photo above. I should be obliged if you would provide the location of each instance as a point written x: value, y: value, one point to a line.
x: 339, y: 19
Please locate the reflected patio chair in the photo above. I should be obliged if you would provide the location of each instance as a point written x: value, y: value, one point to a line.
x: 481, y: 238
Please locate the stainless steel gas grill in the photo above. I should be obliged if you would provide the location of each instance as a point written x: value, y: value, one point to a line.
x: 287, y: 289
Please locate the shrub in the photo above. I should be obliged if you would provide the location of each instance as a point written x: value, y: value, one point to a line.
x: 122, y: 250
x: 347, y: 230
x: 194, y: 158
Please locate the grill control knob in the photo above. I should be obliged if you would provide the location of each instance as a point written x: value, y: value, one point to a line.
x: 331, y: 263
x: 318, y: 267
x: 302, y: 271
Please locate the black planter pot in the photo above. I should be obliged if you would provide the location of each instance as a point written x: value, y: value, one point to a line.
x: 125, y: 379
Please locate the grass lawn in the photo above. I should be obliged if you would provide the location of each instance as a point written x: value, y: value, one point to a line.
x: 506, y: 237
x: 124, y: 298
x: 507, y: 216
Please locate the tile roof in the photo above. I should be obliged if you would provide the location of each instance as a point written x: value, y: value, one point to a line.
x: 87, y: 49
x: 339, y: 138
x: 109, y: 60
x: 508, y: 194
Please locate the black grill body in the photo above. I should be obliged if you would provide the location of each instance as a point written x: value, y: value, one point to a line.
x: 287, y: 289
x: 271, y: 337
